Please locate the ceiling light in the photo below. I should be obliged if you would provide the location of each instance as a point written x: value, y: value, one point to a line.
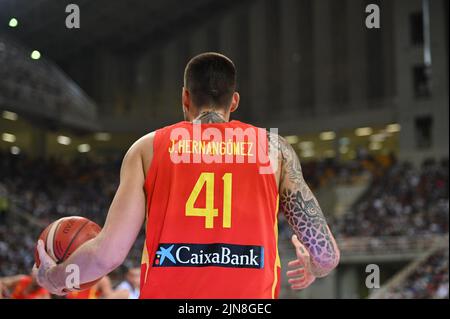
x: 7, y: 115
x: 292, y: 139
x: 327, y: 136
x: 393, y: 128
x: 13, y: 23
x: 363, y: 131
x: 35, y: 55
x: 306, y: 145
x: 7, y: 137
x: 84, y: 148
x: 64, y: 140
x: 15, y: 150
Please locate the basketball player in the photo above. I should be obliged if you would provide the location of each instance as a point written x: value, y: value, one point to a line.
x: 1, y: 289
x: 211, y: 226
x: 131, y: 283
x: 23, y: 287
x: 101, y: 290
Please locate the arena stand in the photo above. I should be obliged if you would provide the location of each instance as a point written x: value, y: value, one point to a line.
x: 426, y: 278
x: 38, y: 192
x: 401, y: 216
x: 39, y: 88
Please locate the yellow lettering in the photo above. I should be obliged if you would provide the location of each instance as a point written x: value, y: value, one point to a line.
x: 172, y: 147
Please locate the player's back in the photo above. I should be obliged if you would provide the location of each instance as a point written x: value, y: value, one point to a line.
x: 212, y: 203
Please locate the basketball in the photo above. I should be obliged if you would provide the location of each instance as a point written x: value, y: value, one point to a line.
x: 64, y: 236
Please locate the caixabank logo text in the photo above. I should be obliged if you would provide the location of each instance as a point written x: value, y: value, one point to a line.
x: 204, y: 255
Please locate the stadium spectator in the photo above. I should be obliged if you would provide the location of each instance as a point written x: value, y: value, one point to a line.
x: 22, y: 287
x: 131, y: 283
x: 4, y: 203
x: 101, y: 290
x: 404, y: 201
x: 428, y: 280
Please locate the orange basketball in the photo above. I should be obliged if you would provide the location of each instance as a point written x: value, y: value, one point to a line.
x: 64, y: 236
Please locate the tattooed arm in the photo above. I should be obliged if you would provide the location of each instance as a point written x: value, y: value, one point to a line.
x: 304, y: 214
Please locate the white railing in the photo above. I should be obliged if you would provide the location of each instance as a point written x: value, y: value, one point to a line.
x: 387, y: 245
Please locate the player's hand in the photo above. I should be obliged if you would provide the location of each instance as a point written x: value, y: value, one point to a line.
x: 300, y: 277
x: 41, y: 273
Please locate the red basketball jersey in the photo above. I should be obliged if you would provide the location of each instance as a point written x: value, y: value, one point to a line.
x: 90, y: 293
x: 20, y: 290
x: 211, y: 224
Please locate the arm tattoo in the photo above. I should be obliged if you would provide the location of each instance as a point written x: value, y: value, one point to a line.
x: 304, y: 214
x: 291, y: 164
x: 309, y: 224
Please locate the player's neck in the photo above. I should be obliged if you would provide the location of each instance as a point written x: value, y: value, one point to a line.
x: 211, y: 116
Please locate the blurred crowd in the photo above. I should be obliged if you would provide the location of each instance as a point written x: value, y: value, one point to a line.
x: 331, y: 171
x: 428, y: 281
x: 404, y: 201
x: 46, y: 191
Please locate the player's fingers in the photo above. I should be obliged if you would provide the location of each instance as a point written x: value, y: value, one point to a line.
x: 306, y: 259
x: 303, y: 284
x: 304, y: 256
x: 298, y: 286
x: 296, y: 281
x: 295, y: 241
x: 295, y: 263
x: 295, y: 272
x: 300, y: 249
x: 43, y: 256
x: 298, y: 245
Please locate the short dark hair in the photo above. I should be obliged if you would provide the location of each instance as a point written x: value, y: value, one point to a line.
x: 210, y: 79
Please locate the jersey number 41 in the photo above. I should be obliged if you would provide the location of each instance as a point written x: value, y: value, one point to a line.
x: 209, y: 212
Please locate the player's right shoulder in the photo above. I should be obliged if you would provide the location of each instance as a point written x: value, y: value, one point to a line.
x: 146, y: 142
x: 143, y: 144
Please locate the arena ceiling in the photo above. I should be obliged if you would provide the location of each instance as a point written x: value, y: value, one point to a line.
x: 112, y: 25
